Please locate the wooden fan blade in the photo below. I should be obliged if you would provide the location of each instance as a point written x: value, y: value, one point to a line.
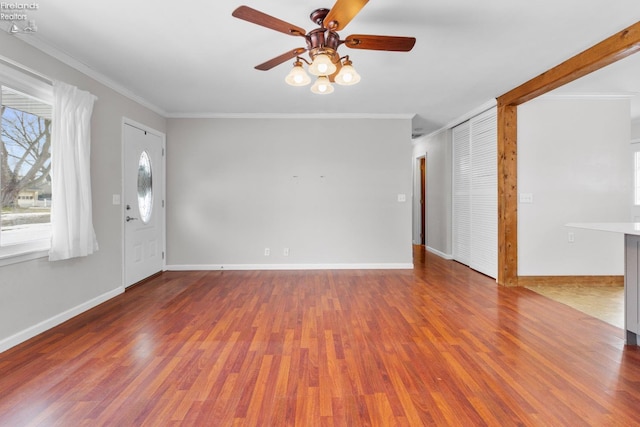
x: 342, y: 13
x: 332, y: 77
x: 256, y: 17
x: 390, y: 43
x: 280, y: 59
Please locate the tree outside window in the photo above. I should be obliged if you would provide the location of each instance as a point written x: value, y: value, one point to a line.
x: 25, y: 166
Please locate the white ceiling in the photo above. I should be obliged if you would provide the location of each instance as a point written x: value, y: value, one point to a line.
x: 192, y: 58
x: 621, y: 78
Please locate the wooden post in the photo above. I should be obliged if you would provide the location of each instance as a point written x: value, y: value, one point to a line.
x: 610, y: 50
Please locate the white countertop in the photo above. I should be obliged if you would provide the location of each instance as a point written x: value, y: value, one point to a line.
x: 615, y: 227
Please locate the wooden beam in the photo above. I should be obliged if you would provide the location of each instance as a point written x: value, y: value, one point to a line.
x: 610, y: 50
x: 614, y: 48
x: 507, y: 195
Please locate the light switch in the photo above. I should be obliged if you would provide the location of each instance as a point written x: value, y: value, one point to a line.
x: 116, y: 199
x: 402, y: 198
x: 526, y: 197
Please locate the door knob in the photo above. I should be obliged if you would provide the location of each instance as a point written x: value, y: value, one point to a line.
x: 129, y: 218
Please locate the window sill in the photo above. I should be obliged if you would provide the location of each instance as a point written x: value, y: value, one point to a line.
x: 15, y: 256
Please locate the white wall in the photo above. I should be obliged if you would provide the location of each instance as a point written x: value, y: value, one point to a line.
x: 574, y: 158
x: 635, y: 146
x: 324, y: 188
x: 437, y: 149
x: 34, y: 295
x: 635, y: 129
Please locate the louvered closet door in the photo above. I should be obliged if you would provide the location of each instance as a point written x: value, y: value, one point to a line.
x: 462, y: 194
x: 484, y: 194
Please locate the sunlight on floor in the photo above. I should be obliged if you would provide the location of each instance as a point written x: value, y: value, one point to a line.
x: 602, y: 302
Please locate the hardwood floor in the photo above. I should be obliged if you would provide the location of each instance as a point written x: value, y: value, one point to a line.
x: 437, y: 345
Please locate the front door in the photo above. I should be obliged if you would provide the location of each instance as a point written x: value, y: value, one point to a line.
x: 143, y: 204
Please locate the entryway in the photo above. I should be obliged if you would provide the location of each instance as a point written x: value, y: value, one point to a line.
x: 143, y: 213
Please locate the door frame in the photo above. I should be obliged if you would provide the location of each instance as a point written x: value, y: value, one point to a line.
x: 422, y: 166
x: 163, y: 179
x: 416, y: 214
x: 608, y: 51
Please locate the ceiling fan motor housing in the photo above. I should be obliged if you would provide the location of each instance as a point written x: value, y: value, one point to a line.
x: 322, y: 40
x: 318, y: 15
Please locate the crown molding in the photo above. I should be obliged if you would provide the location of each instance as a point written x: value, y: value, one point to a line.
x: 453, y: 123
x: 288, y: 116
x: 68, y: 60
x: 101, y: 78
x: 469, y: 115
x: 88, y: 71
x: 590, y: 95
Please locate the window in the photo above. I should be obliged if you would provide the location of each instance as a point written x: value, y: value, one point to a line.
x: 25, y: 166
x: 145, y: 188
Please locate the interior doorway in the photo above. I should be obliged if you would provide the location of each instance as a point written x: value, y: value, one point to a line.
x: 423, y: 200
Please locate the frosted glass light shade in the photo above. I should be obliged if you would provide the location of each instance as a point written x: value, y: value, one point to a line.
x: 322, y: 65
x: 347, y: 76
x: 322, y: 86
x: 298, y: 77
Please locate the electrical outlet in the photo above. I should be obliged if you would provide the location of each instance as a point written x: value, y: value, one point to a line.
x: 267, y: 251
x: 286, y: 252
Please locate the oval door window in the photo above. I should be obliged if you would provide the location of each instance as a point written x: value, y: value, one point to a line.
x: 145, y: 187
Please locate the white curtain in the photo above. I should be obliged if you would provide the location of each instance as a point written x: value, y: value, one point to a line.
x: 71, y: 212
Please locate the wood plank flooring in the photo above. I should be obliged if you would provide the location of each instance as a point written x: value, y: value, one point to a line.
x: 438, y: 345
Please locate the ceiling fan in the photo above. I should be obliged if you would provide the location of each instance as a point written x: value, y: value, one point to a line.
x: 322, y: 44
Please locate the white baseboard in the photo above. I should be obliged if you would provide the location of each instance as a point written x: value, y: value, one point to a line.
x: 205, y: 267
x: 440, y: 254
x: 45, y: 325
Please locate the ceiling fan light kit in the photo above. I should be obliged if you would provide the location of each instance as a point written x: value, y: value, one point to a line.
x: 298, y: 76
x: 322, y: 86
x: 322, y: 45
x: 347, y: 75
x: 322, y: 65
